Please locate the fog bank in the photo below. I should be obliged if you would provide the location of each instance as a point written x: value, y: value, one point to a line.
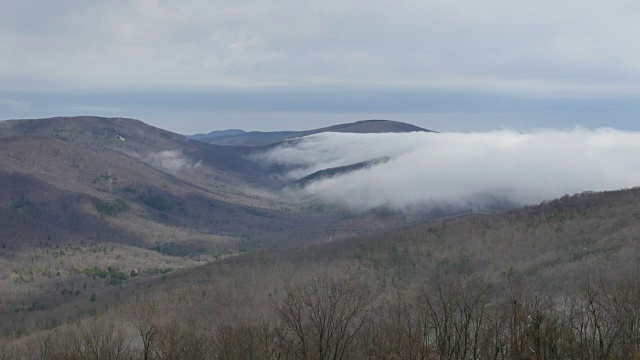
x: 463, y: 169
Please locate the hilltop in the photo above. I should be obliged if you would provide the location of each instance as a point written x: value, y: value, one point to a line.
x: 258, y: 138
x: 135, y: 139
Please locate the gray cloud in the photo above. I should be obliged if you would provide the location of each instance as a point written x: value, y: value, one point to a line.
x: 570, y: 48
x: 449, y: 65
x: 465, y: 169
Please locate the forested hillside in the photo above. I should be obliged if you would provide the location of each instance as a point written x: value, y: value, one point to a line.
x: 551, y: 281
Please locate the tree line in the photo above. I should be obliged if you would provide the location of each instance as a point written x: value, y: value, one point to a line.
x: 450, y: 317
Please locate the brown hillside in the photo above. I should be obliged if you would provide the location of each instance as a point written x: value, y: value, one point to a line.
x: 552, y: 248
x: 139, y: 140
x: 52, y: 189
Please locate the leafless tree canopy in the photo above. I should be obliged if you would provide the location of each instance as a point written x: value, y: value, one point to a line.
x: 324, y: 316
x: 451, y: 317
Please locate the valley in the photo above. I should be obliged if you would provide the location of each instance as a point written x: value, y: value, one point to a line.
x: 105, y: 216
x: 89, y: 204
x: 319, y: 180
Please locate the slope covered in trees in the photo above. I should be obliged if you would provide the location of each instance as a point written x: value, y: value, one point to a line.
x: 557, y: 280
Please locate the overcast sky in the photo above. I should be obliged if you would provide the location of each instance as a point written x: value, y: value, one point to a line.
x: 450, y: 65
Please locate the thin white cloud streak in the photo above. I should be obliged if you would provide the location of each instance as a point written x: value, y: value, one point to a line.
x: 13, y: 105
x: 169, y: 160
x: 465, y: 169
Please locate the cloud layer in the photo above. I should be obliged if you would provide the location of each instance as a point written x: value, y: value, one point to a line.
x: 569, y: 47
x: 276, y: 64
x: 464, y: 169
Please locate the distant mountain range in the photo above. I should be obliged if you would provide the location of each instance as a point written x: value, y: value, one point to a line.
x: 259, y: 138
x: 218, y: 133
x: 103, y: 217
x: 115, y: 177
x: 110, y: 179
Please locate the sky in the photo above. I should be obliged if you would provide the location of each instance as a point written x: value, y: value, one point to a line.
x: 199, y: 65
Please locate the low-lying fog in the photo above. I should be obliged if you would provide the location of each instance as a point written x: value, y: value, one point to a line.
x: 463, y: 169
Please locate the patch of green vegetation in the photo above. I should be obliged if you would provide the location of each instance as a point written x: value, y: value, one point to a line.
x: 115, y: 277
x: 34, y: 306
x: 190, y: 249
x: 103, y: 177
x: 59, y: 134
x: 21, y: 203
x: 221, y: 253
x: 155, y: 201
x: 95, y: 272
x: 110, y: 208
x: 175, y: 249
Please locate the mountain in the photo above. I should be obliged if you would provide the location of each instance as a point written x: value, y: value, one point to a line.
x: 137, y: 140
x: 107, y: 179
x: 217, y: 134
x: 55, y: 192
x: 84, y: 195
x: 257, y: 138
x: 368, y: 127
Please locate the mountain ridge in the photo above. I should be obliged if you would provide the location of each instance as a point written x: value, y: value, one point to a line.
x: 128, y: 173
x: 263, y: 138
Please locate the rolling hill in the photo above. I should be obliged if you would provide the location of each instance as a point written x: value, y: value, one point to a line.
x: 218, y: 133
x: 257, y: 138
x: 109, y: 179
x: 137, y: 140
x: 536, y: 255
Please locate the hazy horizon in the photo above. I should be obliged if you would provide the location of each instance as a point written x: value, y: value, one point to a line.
x: 445, y: 123
x: 197, y: 66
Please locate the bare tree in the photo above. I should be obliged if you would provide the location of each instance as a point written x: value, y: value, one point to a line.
x: 453, y: 316
x: 395, y: 332
x: 105, y: 341
x: 176, y: 341
x: 143, y: 317
x: 324, y: 316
